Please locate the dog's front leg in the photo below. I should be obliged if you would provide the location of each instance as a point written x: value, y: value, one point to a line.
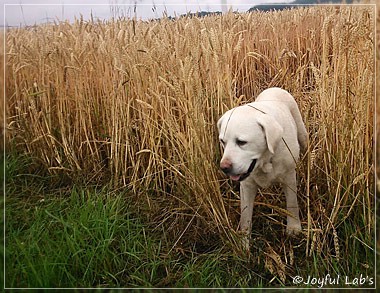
x: 290, y: 189
x: 248, y: 190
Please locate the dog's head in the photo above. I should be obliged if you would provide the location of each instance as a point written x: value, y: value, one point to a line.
x: 246, y: 135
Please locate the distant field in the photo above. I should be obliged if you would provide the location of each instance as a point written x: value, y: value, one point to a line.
x: 133, y: 106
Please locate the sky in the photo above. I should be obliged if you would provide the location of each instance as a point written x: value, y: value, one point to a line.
x: 30, y: 12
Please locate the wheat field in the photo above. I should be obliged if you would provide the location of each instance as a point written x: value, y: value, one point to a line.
x: 135, y: 103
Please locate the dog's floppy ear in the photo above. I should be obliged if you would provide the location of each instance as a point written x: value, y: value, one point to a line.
x: 219, y: 124
x: 272, y: 129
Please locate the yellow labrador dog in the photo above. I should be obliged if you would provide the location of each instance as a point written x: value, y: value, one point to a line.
x: 261, y: 143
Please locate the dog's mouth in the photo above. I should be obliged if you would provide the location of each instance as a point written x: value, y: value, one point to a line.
x: 241, y: 177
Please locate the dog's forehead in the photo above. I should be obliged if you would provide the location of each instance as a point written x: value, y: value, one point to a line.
x: 238, y: 122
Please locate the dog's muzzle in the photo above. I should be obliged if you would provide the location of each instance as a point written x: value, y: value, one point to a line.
x: 239, y: 177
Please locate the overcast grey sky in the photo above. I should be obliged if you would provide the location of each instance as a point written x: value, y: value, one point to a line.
x: 30, y: 12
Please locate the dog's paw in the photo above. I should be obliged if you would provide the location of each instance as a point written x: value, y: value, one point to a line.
x: 245, y: 243
x: 293, y: 228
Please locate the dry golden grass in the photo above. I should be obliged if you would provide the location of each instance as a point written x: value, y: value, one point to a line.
x: 136, y: 103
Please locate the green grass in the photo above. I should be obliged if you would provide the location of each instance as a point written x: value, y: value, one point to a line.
x: 61, y: 235
x: 88, y: 237
x: 75, y: 238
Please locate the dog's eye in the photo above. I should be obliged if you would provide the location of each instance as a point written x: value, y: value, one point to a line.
x: 240, y: 142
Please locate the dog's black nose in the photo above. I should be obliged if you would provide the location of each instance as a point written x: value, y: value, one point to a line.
x: 226, y: 166
x: 226, y: 170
